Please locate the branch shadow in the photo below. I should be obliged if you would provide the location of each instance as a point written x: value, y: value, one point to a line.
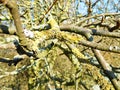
x: 10, y: 62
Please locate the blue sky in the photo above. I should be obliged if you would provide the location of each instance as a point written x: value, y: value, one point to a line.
x: 104, y: 6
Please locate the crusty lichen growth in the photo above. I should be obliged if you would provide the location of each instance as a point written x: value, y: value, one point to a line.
x: 55, y: 65
x: 43, y: 67
x: 47, y: 51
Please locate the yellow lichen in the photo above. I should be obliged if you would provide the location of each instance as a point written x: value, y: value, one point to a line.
x: 54, y: 25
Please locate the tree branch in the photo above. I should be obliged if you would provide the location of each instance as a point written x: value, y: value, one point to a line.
x: 95, y: 45
x: 12, y: 6
x: 83, y: 31
x: 98, y: 15
x: 106, y: 69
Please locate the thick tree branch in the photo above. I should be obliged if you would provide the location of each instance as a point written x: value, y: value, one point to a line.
x: 12, y: 6
x: 83, y: 31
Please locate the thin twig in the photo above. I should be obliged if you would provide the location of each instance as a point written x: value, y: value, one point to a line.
x: 97, y: 15
x: 49, y: 9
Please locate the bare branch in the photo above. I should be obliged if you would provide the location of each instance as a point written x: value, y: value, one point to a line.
x: 80, y: 30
